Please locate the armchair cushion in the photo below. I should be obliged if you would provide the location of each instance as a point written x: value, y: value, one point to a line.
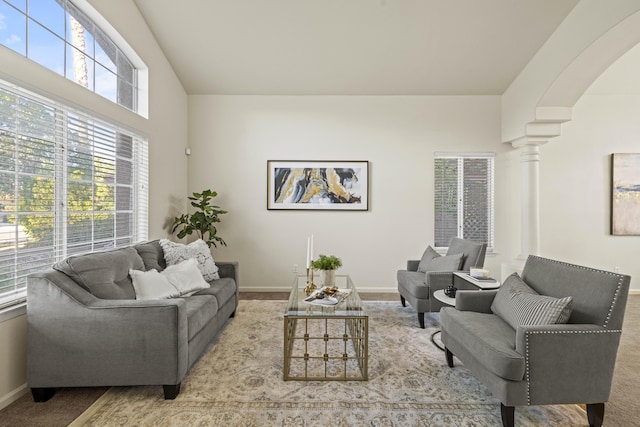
x: 433, y: 261
x: 414, y: 283
x: 487, y: 337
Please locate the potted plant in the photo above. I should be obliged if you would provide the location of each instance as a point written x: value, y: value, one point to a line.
x: 202, y: 221
x: 327, y: 264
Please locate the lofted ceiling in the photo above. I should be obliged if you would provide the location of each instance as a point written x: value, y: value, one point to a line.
x: 351, y: 47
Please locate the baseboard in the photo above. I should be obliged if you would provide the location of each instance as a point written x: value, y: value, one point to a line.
x: 11, y: 397
x: 288, y: 289
x: 634, y: 292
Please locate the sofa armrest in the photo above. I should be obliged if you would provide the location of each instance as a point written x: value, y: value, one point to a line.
x: 568, y: 363
x: 75, y: 339
x: 412, y: 264
x: 229, y: 269
x: 478, y: 301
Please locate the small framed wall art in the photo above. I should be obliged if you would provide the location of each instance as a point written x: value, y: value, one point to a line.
x: 318, y: 185
x: 625, y: 194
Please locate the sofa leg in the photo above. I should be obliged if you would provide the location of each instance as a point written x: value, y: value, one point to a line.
x: 233, y: 314
x: 595, y: 414
x: 507, y: 413
x: 171, y: 391
x: 421, y: 320
x: 449, y: 356
x: 403, y: 301
x: 42, y: 394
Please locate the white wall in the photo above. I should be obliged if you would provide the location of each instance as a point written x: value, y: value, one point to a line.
x: 166, y: 130
x: 232, y: 137
x: 575, y: 174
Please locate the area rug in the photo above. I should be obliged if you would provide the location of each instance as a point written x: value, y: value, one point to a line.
x: 238, y: 382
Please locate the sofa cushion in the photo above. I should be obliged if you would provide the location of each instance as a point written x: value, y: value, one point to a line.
x: 433, y: 261
x: 175, y: 253
x: 152, y: 255
x: 223, y: 289
x: 200, y: 310
x: 104, y: 274
x: 518, y: 304
x: 414, y: 283
x: 488, y: 337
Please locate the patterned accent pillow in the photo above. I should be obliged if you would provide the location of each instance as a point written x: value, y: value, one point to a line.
x: 433, y: 261
x: 532, y: 310
x: 175, y: 253
x: 518, y: 304
x: 502, y: 305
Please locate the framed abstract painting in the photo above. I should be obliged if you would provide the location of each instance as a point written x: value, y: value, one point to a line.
x: 625, y: 194
x: 317, y: 185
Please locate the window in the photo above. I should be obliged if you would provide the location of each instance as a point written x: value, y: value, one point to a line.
x: 69, y: 184
x: 58, y: 36
x: 463, y: 198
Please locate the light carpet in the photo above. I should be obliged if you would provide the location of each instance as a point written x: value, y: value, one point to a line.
x: 238, y: 382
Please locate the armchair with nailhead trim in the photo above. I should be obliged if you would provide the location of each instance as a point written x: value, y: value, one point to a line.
x: 537, y: 363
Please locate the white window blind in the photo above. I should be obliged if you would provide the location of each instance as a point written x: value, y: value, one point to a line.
x: 69, y: 184
x: 463, y: 198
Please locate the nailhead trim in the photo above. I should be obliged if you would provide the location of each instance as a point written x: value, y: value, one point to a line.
x: 527, y: 367
x: 616, y: 295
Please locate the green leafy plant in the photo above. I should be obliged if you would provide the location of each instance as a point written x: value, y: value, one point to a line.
x: 202, y: 221
x: 327, y: 262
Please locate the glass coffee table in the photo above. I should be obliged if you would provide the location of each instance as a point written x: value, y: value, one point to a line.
x: 326, y: 343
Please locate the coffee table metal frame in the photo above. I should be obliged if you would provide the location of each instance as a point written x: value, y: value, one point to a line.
x: 312, y: 335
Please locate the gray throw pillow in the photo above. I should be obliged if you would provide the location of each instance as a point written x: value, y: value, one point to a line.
x: 430, y: 263
x: 518, y: 304
x: 427, y: 256
x: 152, y: 255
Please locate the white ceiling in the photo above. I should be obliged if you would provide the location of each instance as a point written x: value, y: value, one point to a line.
x: 351, y: 47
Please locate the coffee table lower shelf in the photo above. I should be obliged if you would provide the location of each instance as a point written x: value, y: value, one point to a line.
x: 326, y: 348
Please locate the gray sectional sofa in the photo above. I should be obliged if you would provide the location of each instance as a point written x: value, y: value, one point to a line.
x: 85, y: 327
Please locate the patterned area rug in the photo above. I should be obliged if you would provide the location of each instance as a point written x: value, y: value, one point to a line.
x: 238, y: 382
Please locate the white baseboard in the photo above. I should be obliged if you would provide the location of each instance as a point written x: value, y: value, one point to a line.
x: 288, y: 289
x: 11, y: 397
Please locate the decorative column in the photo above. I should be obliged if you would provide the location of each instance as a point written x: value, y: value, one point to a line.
x: 530, y: 196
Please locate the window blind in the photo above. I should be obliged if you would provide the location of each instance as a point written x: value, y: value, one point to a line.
x: 69, y: 184
x: 463, y: 198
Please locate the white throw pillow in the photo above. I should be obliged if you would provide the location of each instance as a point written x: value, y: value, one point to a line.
x: 175, y: 253
x: 174, y: 281
x: 152, y: 285
x: 185, y: 277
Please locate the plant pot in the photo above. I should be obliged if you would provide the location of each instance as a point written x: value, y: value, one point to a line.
x: 328, y: 277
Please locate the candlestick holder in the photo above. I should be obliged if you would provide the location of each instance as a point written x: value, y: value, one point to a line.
x: 310, y: 285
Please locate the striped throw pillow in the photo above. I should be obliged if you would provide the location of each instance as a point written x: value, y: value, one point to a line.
x: 532, y: 310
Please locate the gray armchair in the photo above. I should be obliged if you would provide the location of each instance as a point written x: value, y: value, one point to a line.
x: 417, y: 283
x: 539, y: 362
